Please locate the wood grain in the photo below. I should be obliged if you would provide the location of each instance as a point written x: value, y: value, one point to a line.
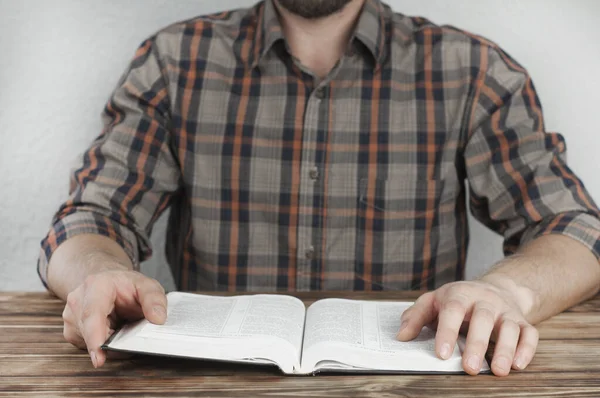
x: 35, y: 361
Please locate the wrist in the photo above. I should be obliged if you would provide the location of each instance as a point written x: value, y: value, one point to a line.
x: 98, y: 261
x: 524, y: 298
x: 80, y: 257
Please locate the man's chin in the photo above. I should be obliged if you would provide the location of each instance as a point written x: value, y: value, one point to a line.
x: 313, y: 9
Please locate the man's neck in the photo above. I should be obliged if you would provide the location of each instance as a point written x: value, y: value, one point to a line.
x: 319, y: 43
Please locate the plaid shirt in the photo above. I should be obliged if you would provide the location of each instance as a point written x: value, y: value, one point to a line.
x: 278, y: 180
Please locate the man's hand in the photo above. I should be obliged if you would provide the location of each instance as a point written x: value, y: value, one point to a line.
x: 488, y: 313
x: 95, y: 309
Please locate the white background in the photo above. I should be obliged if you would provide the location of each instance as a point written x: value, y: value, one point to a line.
x: 60, y: 59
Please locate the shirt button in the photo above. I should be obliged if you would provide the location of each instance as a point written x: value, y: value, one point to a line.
x: 320, y: 93
x: 310, y: 253
x: 314, y: 173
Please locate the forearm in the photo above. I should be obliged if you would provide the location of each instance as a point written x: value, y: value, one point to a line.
x: 81, y: 256
x: 547, y: 276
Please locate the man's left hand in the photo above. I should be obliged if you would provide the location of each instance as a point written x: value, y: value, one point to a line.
x: 482, y: 310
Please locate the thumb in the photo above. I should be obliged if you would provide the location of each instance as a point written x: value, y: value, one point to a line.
x: 151, y: 297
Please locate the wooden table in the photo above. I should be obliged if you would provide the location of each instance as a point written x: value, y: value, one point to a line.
x: 35, y: 361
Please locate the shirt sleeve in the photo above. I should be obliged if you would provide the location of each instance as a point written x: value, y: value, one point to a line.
x: 520, y: 185
x: 129, y: 174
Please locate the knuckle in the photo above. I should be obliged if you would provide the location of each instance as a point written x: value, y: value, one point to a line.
x: 454, y: 305
x: 447, y: 333
x: 69, y: 335
x: 530, y: 342
x: 66, y: 314
x: 407, y: 312
x: 444, y: 333
x: 424, y: 297
x: 479, y: 346
x: 158, y: 286
x: 87, y: 312
x: 504, y: 351
x: 66, y: 333
x: 528, y: 347
x: 461, y: 287
x: 486, y: 314
x: 151, y: 288
x: 72, y: 300
x: 490, y: 296
x: 511, y: 322
x: 455, y: 289
x: 489, y: 289
x: 535, y: 334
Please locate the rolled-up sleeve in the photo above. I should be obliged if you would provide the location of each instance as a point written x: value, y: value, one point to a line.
x: 129, y: 174
x: 520, y: 184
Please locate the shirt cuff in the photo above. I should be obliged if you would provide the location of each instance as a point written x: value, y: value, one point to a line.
x: 582, y: 227
x: 79, y: 223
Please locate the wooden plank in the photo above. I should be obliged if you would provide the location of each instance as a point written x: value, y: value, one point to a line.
x: 331, y: 386
x: 571, y: 325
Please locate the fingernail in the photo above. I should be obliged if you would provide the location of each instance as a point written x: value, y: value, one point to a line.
x: 502, y: 363
x: 474, y: 363
x: 445, y: 351
x: 94, y: 359
x: 160, y: 311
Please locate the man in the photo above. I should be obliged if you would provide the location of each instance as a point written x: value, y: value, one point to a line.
x: 324, y: 145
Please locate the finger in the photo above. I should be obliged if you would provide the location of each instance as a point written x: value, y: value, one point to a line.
x: 96, y: 331
x: 506, y: 345
x: 72, y: 336
x: 151, y: 297
x: 421, y: 313
x: 126, y: 312
x: 98, y: 303
x: 70, y: 329
x: 68, y: 316
x: 450, y: 319
x: 526, y: 347
x: 478, y: 337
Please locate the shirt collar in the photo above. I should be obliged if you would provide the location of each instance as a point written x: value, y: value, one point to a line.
x: 268, y: 31
x: 371, y: 30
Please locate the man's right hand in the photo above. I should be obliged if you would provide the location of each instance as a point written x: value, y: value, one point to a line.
x: 106, y: 299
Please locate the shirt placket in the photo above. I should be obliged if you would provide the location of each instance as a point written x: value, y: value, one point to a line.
x: 309, y: 177
x: 310, y: 235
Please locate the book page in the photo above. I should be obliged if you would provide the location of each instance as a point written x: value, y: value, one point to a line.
x: 259, y: 326
x: 333, y: 320
x: 361, y: 335
x: 273, y: 316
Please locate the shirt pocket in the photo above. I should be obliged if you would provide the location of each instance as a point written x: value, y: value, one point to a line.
x: 400, y: 198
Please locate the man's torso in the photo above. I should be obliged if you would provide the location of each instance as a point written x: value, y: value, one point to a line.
x: 353, y: 182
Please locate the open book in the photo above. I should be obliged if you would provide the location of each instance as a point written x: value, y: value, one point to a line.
x: 330, y: 335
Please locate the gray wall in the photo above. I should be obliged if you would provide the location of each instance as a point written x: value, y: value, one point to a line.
x: 60, y: 59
